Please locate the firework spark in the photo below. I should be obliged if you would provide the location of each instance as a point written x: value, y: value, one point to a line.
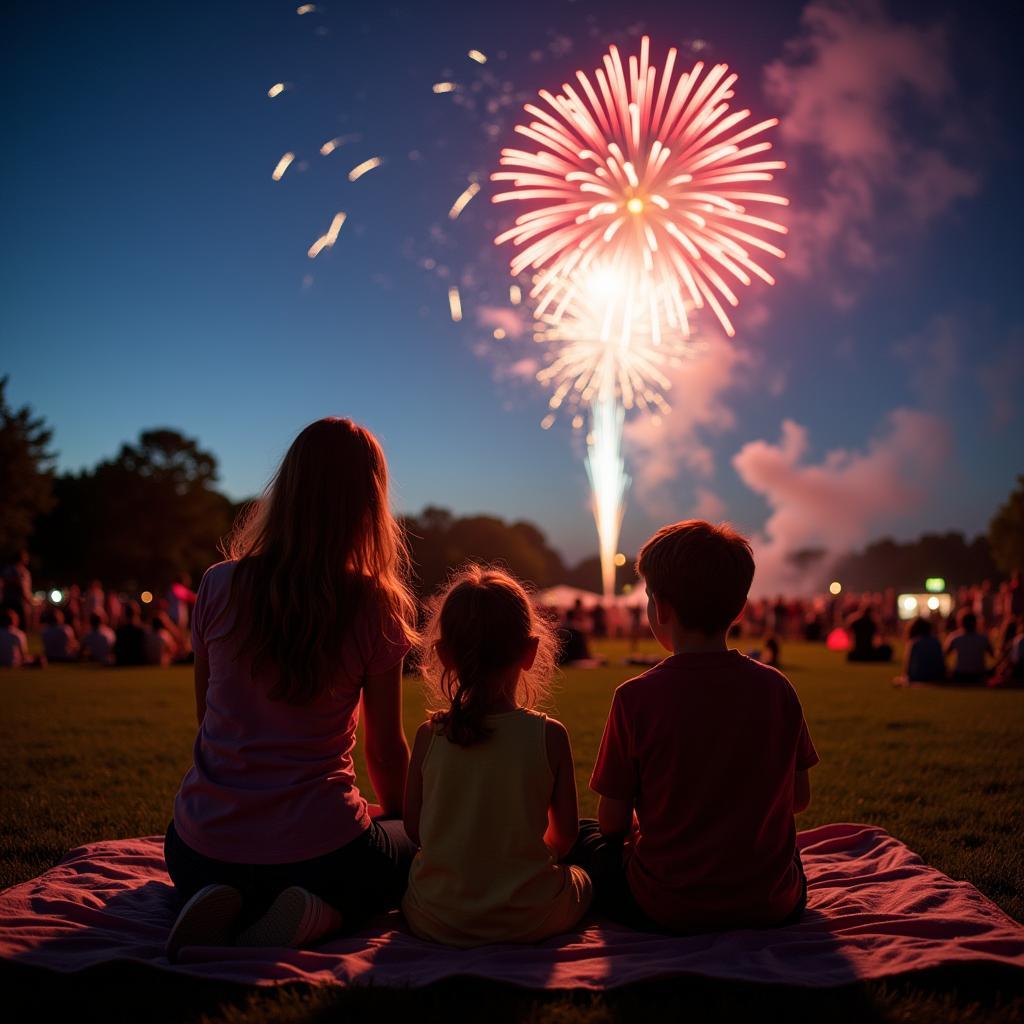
x: 463, y: 201
x: 653, y: 177
x: 455, y: 304
x: 480, y: 58
x: 440, y: 87
x: 327, y: 241
x: 360, y: 169
x: 276, y: 89
x: 282, y: 165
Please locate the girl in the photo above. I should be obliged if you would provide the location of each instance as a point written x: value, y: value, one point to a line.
x: 309, y: 617
x: 491, y: 794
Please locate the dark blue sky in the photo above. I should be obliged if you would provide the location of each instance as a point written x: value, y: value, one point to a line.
x: 154, y: 274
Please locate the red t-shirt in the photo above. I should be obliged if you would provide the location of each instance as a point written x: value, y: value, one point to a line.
x: 706, y: 747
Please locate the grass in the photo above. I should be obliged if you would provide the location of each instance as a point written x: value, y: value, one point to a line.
x: 87, y: 754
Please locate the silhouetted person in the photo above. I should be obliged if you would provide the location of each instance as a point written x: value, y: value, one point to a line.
x: 59, y: 640
x: 99, y: 642
x: 17, y: 582
x: 865, y: 630
x: 574, y: 640
x: 969, y: 649
x: 130, y: 639
x: 599, y: 620
x: 924, y: 661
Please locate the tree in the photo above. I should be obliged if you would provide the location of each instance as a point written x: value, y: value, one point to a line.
x: 1006, y: 532
x: 145, y: 516
x: 26, y: 473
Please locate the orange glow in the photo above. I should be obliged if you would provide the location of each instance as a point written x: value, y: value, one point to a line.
x: 360, y: 169
x: 499, y: 333
x: 305, y: 9
x: 282, y: 165
x: 146, y: 597
x: 620, y: 559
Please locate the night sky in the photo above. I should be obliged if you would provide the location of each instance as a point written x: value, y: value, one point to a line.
x: 154, y: 274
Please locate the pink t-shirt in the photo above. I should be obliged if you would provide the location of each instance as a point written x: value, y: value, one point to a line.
x: 271, y: 782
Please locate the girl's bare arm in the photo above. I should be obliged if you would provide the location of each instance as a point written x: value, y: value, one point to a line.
x: 563, y: 812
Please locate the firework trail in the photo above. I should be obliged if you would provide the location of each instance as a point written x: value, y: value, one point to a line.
x: 647, y: 181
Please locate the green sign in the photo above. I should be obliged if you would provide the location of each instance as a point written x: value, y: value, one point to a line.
x: 935, y: 584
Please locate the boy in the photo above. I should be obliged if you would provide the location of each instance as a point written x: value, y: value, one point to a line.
x: 709, y: 749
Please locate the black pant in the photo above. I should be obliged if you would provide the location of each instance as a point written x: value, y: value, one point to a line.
x: 365, y: 877
x: 601, y: 857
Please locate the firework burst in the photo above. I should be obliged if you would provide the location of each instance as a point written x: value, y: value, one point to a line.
x: 650, y: 175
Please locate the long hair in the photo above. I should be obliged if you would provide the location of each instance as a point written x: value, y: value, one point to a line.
x: 312, y: 552
x: 484, y: 620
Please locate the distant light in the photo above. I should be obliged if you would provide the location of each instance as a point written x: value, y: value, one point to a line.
x: 282, y: 165
x: 908, y: 602
x: 620, y: 559
x: 635, y: 205
x: 476, y: 55
x: 835, y: 587
x: 276, y: 89
x: 515, y: 294
x: 56, y: 596
x: 360, y: 169
x: 455, y: 303
x: 935, y: 584
x: 499, y: 333
x: 933, y: 603
x: 146, y: 597
x: 440, y: 87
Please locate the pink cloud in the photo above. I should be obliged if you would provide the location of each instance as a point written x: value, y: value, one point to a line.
x: 660, y: 449
x: 854, y: 90
x: 708, y: 505
x: 838, y: 502
x: 513, y: 322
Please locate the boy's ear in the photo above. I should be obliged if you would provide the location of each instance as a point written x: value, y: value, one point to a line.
x: 530, y: 653
x: 663, y: 610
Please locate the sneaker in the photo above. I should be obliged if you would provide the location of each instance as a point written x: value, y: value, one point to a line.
x: 206, y: 920
x: 296, y: 918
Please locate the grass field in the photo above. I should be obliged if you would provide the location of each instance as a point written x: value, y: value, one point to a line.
x: 88, y: 754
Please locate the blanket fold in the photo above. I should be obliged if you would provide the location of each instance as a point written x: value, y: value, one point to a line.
x: 874, y: 909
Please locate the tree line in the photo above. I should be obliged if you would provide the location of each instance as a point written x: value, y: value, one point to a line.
x: 153, y: 511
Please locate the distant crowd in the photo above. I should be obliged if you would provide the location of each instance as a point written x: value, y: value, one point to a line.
x: 979, y: 640
x: 92, y: 624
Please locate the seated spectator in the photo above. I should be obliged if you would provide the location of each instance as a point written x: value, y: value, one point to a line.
x: 59, y: 640
x: 98, y: 643
x: 161, y: 647
x: 969, y: 649
x: 574, y: 646
x: 772, y: 651
x: 865, y: 630
x: 130, y: 639
x: 13, y: 642
x: 924, y: 662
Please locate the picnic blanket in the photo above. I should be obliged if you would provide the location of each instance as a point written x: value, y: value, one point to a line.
x: 874, y: 909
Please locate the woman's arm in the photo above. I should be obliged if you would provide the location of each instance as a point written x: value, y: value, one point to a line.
x: 202, y: 678
x: 414, y: 783
x: 563, y: 812
x: 387, y: 752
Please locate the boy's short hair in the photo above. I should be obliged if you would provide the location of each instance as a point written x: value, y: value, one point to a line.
x: 703, y: 571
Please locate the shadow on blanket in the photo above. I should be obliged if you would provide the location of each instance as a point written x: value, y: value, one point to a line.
x: 874, y: 910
